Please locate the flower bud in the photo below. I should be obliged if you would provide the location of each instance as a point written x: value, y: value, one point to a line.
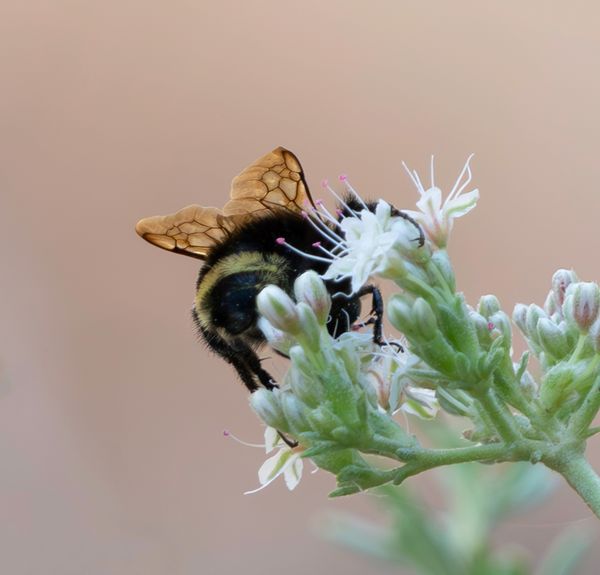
x: 561, y: 280
x: 520, y: 318
x: 499, y: 324
x: 528, y: 385
x: 294, y: 411
x: 552, y: 338
x: 582, y: 303
x: 310, y: 288
x: 310, y: 336
x: 278, y: 340
x: 278, y: 307
x: 399, y: 311
x: 534, y: 314
x: 442, y: 262
x: 305, y: 388
x: 425, y: 320
x: 482, y: 328
x: 488, y: 305
x: 266, y: 405
x: 594, y: 335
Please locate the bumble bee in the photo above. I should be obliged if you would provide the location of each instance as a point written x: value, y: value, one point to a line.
x: 241, y: 255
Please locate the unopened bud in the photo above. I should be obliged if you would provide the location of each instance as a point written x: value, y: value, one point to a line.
x: 594, y: 335
x: 310, y: 336
x: 399, y: 311
x: 552, y: 338
x: 310, y: 288
x: 488, y: 305
x: 277, y: 339
x: 561, y: 280
x: 266, y: 405
x: 279, y: 308
x: 528, y: 385
x: 442, y: 262
x: 483, y: 328
x: 425, y: 320
x: 520, y: 318
x: 582, y: 304
x: 294, y: 411
x: 499, y: 324
x: 534, y: 314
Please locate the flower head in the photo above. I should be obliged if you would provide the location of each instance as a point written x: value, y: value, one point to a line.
x: 369, y: 239
x: 437, y: 217
x: 287, y: 462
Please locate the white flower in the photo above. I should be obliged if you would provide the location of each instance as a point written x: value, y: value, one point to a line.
x: 287, y: 462
x: 395, y: 391
x: 437, y: 217
x: 368, y: 240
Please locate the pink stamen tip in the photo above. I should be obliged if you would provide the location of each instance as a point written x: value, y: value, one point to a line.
x: 339, y: 213
x: 343, y: 177
x: 324, y: 183
x: 280, y: 241
x: 226, y: 433
x: 491, y: 326
x: 304, y: 214
x: 319, y: 202
x: 355, y: 327
x: 316, y: 245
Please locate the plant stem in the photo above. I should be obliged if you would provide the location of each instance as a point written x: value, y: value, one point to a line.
x: 500, y: 415
x: 581, y: 477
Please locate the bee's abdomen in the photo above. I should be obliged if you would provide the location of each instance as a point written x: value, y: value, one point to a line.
x: 226, y: 293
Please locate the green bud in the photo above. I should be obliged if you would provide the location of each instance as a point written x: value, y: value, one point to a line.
x: 552, y: 338
x: 277, y: 339
x: 395, y: 267
x: 310, y: 289
x: 594, y: 335
x: 399, y: 311
x: 520, y: 318
x: 500, y: 325
x: 323, y: 420
x: 279, y: 308
x: 556, y: 384
x: 488, y: 305
x: 266, y: 405
x: 534, y: 314
x: 442, y: 262
x: 295, y: 412
x: 561, y: 280
x: 581, y: 305
x: 424, y: 319
x: 305, y: 388
x: 310, y: 336
x: 528, y: 385
x: 482, y: 328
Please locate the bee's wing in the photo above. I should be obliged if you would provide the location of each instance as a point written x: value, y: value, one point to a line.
x: 191, y: 231
x: 274, y: 181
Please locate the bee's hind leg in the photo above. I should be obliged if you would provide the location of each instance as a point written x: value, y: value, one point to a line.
x: 376, y: 311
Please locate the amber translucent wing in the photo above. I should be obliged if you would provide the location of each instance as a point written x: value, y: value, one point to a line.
x: 191, y: 231
x: 274, y: 181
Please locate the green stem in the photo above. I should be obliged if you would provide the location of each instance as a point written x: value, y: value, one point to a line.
x: 420, y: 460
x: 583, y: 417
x: 500, y: 415
x: 581, y: 477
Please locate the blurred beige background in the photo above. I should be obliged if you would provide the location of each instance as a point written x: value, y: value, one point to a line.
x: 111, y: 415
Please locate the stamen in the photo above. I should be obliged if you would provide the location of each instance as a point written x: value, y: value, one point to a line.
x: 350, y: 189
x: 415, y: 179
x: 282, y: 242
x: 228, y: 434
x: 467, y: 169
x: 341, y: 201
x: 323, y: 229
x: 432, y: 172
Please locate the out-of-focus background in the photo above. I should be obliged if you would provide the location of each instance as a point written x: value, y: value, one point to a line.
x: 112, y: 456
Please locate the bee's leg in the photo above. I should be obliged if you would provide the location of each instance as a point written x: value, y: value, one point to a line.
x: 231, y: 355
x: 248, y: 356
x: 398, y: 213
x: 376, y: 311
